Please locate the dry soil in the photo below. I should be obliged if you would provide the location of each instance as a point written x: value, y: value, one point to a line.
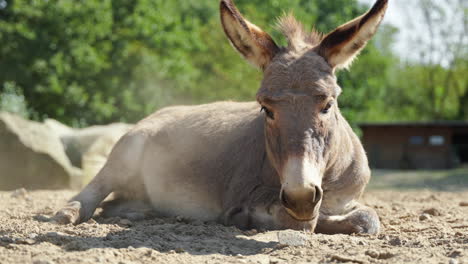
x: 417, y: 227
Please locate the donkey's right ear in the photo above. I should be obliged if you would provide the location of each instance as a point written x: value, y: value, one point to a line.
x: 249, y: 40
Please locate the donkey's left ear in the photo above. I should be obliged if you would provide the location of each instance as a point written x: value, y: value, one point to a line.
x: 343, y: 44
x: 249, y: 40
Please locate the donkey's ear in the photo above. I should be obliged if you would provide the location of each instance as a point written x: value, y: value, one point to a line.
x: 249, y: 40
x: 343, y: 44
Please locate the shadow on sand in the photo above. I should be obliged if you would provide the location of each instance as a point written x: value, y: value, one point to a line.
x: 164, y: 235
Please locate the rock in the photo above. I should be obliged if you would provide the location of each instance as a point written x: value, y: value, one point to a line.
x: 92, y: 146
x: 424, y: 217
x: 386, y: 255
x: 383, y: 237
x: 395, y: 241
x: 456, y: 253
x: 49, y: 155
x: 292, y: 238
x: 453, y: 261
x: 433, y: 212
x: 379, y: 255
x: 59, y: 129
x: 78, y: 141
x: 88, y: 148
x: 372, y: 253
x: 125, y: 222
x: 463, y: 204
x: 31, y: 155
x: 20, y: 193
x: 55, y: 234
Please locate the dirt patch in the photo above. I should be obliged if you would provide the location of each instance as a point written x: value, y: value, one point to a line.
x: 441, y: 236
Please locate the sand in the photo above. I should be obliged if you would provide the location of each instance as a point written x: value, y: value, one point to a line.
x: 417, y: 227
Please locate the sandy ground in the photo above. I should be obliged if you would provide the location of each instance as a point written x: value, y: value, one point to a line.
x: 408, y: 236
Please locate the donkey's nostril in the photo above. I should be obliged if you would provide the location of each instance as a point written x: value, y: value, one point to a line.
x: 284, y: 200
x: 318, y: 194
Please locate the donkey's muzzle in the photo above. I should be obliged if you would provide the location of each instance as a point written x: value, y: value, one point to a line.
x: 302, y: 204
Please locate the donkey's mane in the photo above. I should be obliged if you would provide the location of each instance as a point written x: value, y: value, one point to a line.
x: 296, y: 34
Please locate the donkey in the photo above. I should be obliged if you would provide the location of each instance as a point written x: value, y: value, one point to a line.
x: 287, y: 161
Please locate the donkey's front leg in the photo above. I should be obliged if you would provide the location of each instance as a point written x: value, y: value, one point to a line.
x: 357, y: 219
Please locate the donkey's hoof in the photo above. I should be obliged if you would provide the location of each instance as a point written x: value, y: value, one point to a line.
x: 70, y: 214
x: 365, y: 222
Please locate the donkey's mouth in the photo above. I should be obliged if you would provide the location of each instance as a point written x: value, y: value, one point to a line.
x: 307, y: 218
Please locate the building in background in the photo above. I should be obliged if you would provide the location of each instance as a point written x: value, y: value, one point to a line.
x: 434, y: 145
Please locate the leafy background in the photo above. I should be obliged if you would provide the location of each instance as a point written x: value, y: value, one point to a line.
x: 100, y: 61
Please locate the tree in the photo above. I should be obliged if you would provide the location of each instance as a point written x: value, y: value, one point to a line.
x: 98, y: 61
x: 436, y: 81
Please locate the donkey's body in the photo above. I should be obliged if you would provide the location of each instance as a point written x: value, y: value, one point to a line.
x: 301, y: 166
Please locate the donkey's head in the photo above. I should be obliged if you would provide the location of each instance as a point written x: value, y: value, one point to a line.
x: 299, y: 95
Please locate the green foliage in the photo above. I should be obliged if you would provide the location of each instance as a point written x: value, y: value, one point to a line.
x: 429, y: 92
x: 435, y: 86
x: 98, y: 61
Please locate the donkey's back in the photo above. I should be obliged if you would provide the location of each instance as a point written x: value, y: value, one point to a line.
x: 185, y: 153
x: 178, y: 160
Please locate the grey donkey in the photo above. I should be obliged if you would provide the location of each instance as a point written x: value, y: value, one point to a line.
x: 287, y: 161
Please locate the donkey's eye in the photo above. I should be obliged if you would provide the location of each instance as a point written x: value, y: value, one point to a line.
x: 268, y: 113
x: 326, y: 109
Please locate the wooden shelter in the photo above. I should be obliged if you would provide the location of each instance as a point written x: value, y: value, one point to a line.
x: 432, y: 145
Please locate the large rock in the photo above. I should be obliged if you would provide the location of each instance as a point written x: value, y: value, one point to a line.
x: 78, y: 141
x: 96, y: 155
x: 88, y: 148
x: 60, y: 129
x: 32, y: 156
x: 50, y: 155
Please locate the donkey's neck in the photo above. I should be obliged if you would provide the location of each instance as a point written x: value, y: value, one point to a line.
x: 346, y: 157
x: 244, y: 164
